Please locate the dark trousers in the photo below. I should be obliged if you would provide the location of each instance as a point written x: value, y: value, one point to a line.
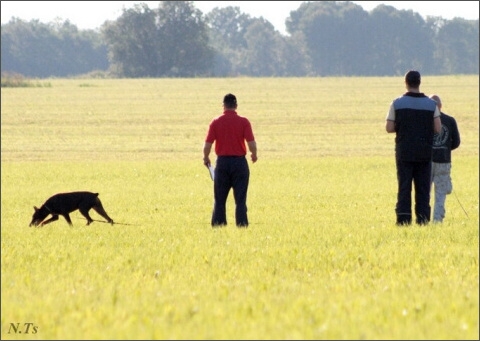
x: 230, y: 172
x: 419, y: 173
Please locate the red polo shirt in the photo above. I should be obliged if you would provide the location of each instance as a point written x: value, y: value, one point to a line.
x: 230, y: 131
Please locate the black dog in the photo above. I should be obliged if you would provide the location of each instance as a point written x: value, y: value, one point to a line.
x: 65, y: 203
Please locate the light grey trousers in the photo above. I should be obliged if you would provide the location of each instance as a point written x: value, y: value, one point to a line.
x: 442, y: 184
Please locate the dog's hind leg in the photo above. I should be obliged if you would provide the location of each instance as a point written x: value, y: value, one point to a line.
x: 100, y: 210
x: 84, y: 212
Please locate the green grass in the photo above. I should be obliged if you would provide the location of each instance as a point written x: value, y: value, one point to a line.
x: 322, y: 258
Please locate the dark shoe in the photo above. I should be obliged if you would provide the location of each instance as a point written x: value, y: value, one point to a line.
x: 404, y: 223
x: 423, y: 220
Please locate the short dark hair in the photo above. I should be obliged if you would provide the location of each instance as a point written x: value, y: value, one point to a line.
x: 230, y: 100
x: 412, y: 78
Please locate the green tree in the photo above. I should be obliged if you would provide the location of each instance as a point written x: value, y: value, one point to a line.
x: 400, y: 40
x: 456, y: 46
x: 184, y: 41
x: 35, y: 49
x: 132, y: 45
x: 171, y: 41
x: 342, y: 39
x: 227, y: 29
x: 262, y: 56
x: 325, y: 38
x: 296, y: 58
x: 333, y: 32
x: 252, y: 47
x: 269, y: 54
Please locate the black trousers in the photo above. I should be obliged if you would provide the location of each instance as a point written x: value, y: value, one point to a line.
x: 419, y: 173
x: 231, y: 172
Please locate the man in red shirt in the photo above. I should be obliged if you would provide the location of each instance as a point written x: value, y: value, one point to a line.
x: 229, y: 131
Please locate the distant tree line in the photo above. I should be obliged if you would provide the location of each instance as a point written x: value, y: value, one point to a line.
x: 325, y: 38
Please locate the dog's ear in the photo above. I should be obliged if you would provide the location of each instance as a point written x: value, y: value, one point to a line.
x: 35, y: 208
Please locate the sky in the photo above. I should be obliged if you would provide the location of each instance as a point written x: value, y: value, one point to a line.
x: 92, y: 14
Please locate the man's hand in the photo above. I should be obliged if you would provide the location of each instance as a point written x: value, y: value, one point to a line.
x: 252, y: 146
x: 207, y: 147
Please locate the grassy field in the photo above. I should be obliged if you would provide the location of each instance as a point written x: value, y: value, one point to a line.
x: 321, y: 259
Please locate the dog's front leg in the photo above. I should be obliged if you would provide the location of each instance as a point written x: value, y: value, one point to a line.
x: 48, y: 221
x: 67, y: 218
